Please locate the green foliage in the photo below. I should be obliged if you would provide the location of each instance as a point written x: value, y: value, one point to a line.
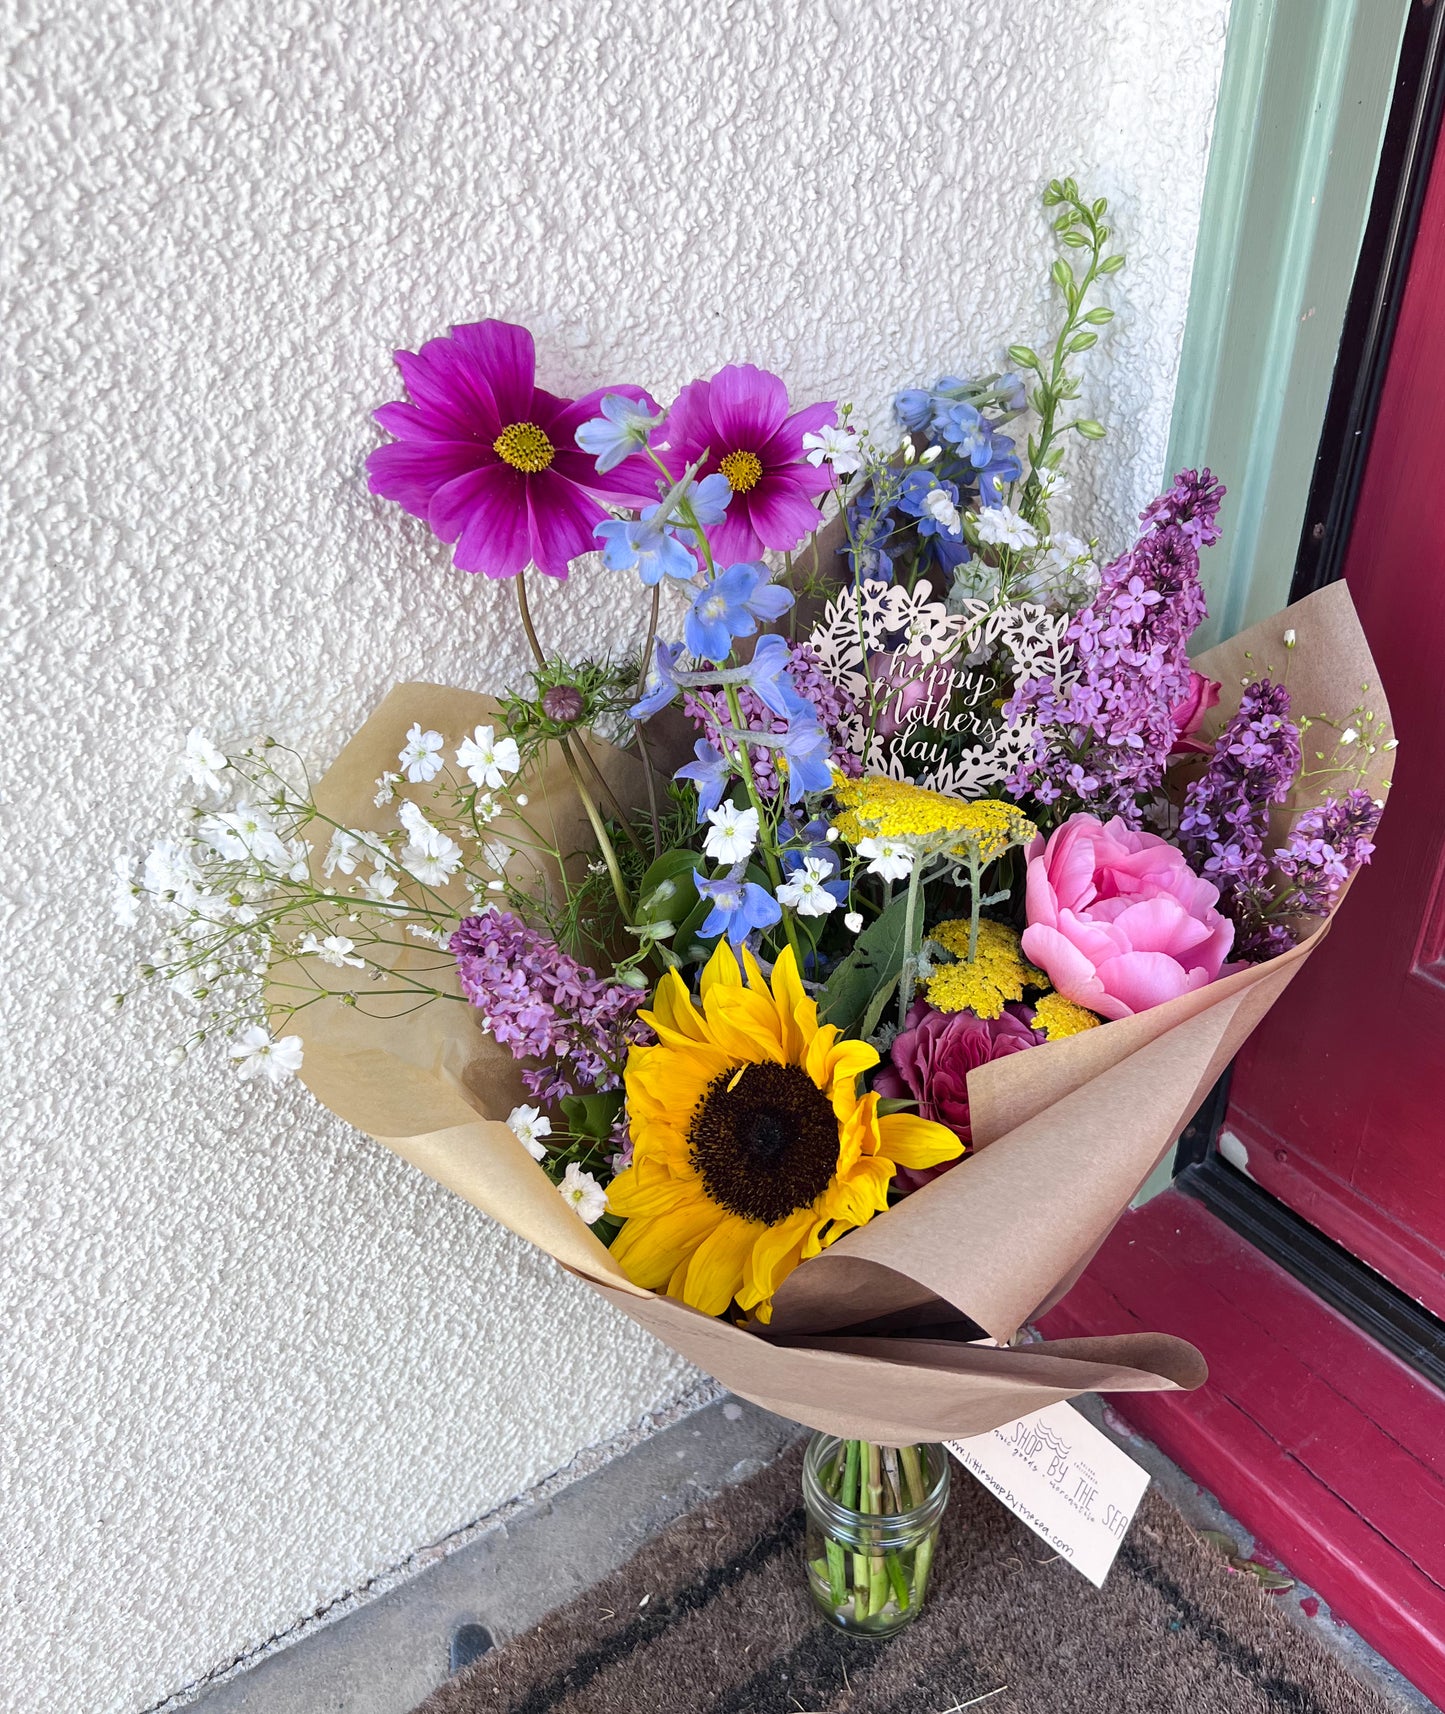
x: 855, y: 994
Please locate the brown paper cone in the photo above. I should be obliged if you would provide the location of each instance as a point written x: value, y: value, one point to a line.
x: 1065, y: 1134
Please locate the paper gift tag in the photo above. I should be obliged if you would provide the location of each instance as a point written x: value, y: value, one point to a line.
x: 1068, y: 1482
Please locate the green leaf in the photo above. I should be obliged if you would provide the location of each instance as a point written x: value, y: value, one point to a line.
x: 896, y: 1104
x: 592, y: 1115
x: 667, y: 891
x: 1082, y: 341
x: 869, y: 969
x: 1090, y: 429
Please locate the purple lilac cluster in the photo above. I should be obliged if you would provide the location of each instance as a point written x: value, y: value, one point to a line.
x: 541, y: 1004
x: 1226, y: 814
x: 834, y: 705
x: 1103, y: 742
x: 1326, y: 846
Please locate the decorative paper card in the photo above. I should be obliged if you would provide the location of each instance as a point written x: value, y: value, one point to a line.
x: 1070, y: 1484
x: 926, y: 714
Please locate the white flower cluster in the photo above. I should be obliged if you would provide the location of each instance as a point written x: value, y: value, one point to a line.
x: 257, y: 922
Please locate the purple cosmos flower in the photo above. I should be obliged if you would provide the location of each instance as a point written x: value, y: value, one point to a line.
x: 731, y: 606
x: 738, y: 424
x: 490, y: 460
x: 738, y: 906
x: 710, y: 774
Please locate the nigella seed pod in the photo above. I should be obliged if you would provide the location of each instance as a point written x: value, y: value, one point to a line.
x: 563, y: 704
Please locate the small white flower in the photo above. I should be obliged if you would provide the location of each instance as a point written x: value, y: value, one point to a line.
x: 853, y: 922
x: 300, y: 854
x: 889, y: 859
x: 1349, y: 736
x: 733, y: 836
x: 496, y: 886
x: 379, y: 886
x: 203, y: 761
x: 488, y: 759
x: 1289, y: 638
x: 582, y: 1191
x: 943, y: 511
x: 522, y: 800
x: 429, y: 854
x: 421, y: 755
x: 255, y: 1053
x: 1002, y: 527
x: 336, y: 950
x: 839, y: 447
x: 529, y: 1125
x: 385, y: 790
x: 342, y: 853
x: 805, y: 893
x: 246, y: 833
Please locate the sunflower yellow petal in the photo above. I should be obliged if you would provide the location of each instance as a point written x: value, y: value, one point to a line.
x: 720, y: 971
x: 652, y: 1251
x: 715, y: 1273
x: 916, y: 1142
x: 773, y: 1257
x: 673, y: 1014
x: 797, y: 1013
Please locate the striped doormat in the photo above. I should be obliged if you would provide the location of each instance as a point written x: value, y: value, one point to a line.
x: 712, y: 1617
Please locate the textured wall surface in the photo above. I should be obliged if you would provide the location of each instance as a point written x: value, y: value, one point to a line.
x: 248, y: 1359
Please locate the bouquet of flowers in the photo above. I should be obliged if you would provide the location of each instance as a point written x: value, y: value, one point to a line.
x: 820, y: 984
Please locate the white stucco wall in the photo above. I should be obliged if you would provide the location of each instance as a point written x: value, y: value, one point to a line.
x: 248, y: 1360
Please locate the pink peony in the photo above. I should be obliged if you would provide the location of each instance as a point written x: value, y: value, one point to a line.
x: 930, y: 1061
x: 1188, y: 714
x: 1118, y: 920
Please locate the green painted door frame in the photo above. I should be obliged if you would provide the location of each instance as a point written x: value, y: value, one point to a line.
x: 1303, y: 101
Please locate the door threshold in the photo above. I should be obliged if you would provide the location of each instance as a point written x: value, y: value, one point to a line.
x: 1322, y: 1443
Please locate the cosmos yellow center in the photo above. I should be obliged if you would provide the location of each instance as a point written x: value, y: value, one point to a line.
x: 524, y: 447
x: 743, y: 470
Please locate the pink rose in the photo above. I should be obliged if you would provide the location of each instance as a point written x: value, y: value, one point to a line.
x: 1188, y: 714
x: 930, y: 1061
x: 906, y: 688
x: 1118, y: 920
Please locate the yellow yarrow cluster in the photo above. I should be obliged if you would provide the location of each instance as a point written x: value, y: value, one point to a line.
x: 1058, y: 1017
x: 879, y: 807
x: 998, y: 973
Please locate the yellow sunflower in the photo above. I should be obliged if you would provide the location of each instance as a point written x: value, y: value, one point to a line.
x: 752, y: 1148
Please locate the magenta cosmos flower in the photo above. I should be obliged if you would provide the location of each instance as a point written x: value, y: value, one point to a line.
x: 1118, y: 920
x: 740, y: 420
x: 491, y: 461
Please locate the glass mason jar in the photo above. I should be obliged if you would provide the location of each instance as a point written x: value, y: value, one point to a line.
x: 873, y: 1514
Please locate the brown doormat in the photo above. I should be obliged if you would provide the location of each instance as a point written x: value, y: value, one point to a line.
x: 712, y: 1617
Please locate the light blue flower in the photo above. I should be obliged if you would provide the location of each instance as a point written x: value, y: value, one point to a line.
x: 914, y: 409
x: 621, y: 430
x: 650, y: 550
x: 738, y: 906
x: 660, y: 686
x: 768, y: 675
x: 710, y: 774
x: 965, y: 429
x: 805, y: 747
x: 731, y: 606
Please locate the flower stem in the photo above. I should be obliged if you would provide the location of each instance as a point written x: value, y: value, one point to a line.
x: 910, y: 958
x: 755, y: 797
x: 641, y: 739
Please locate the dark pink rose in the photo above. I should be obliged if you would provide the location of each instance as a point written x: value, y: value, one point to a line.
x: 1188, y: 714
x: 930, y: 1061
x: 1118, y: 920
x: 904, y: 687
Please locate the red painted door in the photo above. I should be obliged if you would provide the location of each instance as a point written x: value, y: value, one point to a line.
x: 1338, y: 1100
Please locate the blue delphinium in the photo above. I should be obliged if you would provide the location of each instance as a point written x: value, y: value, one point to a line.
x: 661, y: 684
x: 646, y: 547
x: 738, y: 906
x: 710, y: 774
x: 731, y: 606
x: 622, y: 429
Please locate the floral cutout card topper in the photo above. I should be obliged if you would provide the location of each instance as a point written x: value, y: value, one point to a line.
x: 929, y: 679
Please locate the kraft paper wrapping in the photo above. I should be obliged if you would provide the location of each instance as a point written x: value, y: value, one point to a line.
x: 872, y: 1338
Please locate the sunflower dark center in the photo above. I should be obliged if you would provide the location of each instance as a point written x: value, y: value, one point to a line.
x: 744, y: 470
x: 525, y: 447
x: 764, y: 1140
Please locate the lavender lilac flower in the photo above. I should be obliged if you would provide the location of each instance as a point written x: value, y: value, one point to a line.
x: 1325, y: 847
x: 541, y: 1004
x: 1104, y: 741
x: 1226, y: 815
